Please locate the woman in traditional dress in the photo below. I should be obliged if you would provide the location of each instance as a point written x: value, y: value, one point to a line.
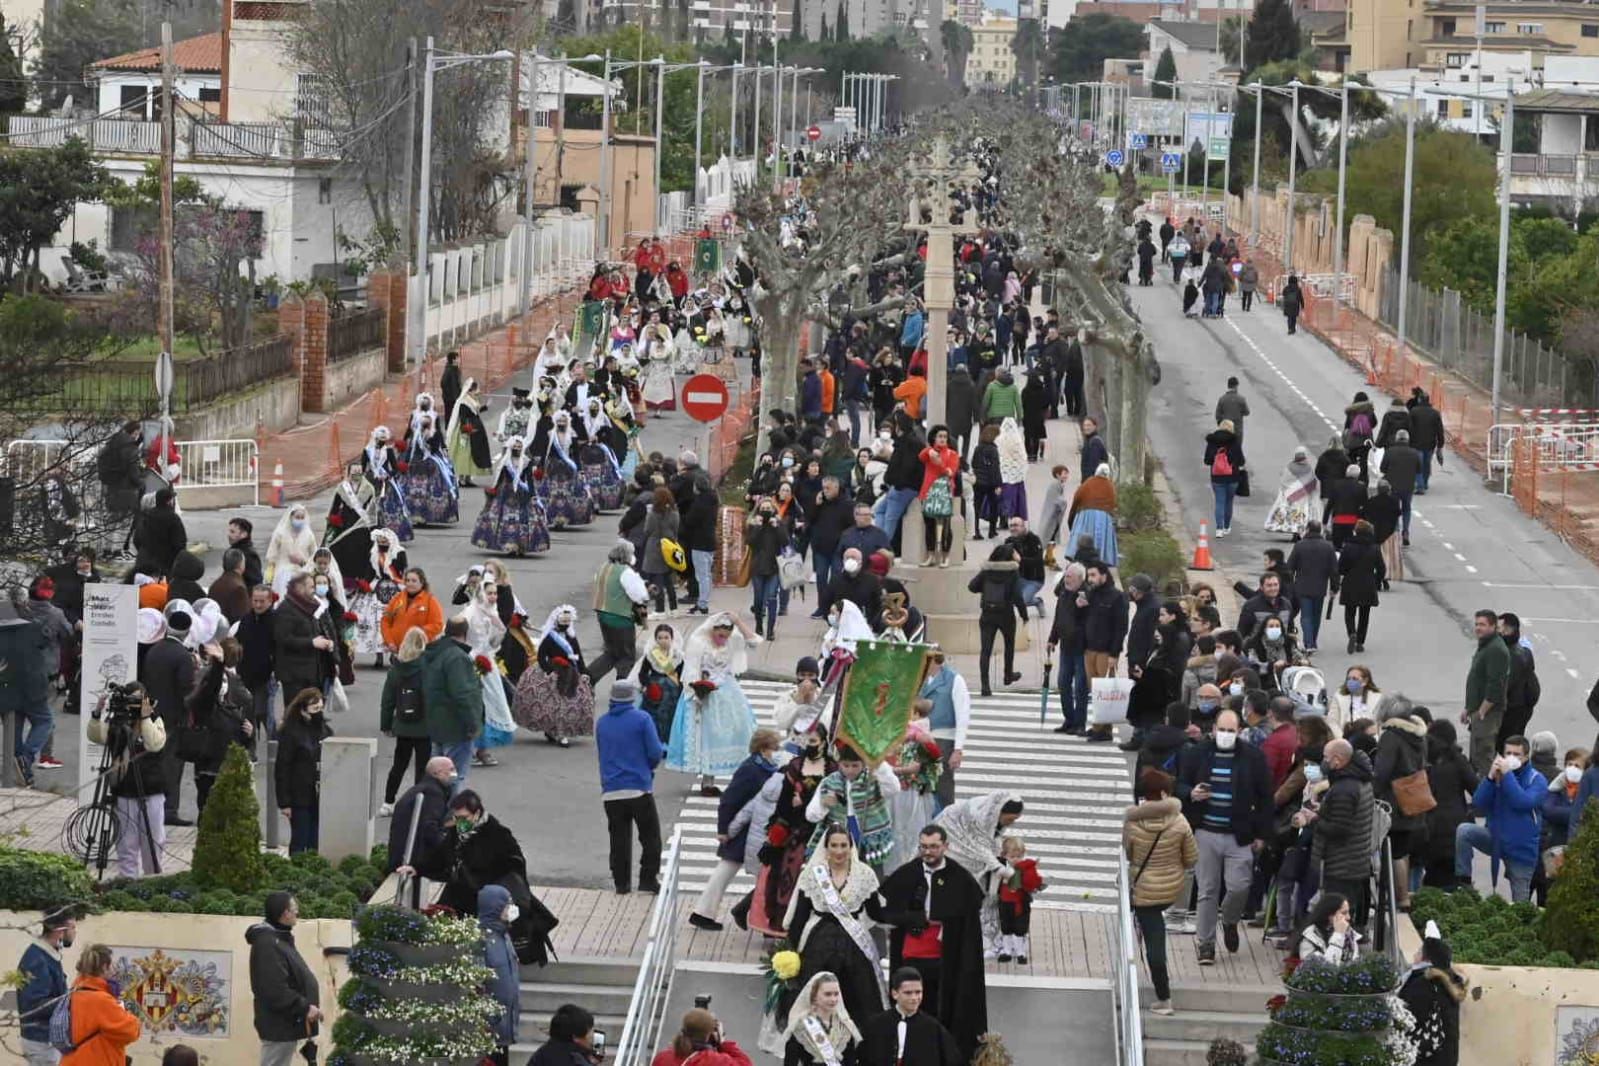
x: 561, y: 489
x: 382, y: 466
x: 1296, y: 496
x: 714, y: 720
x: 659, y: 676
x: 918, y: 769
x: 517, y: 418
x: 788, y: 833
x: 290, y: 548
x: 426, y: 477
x: 625, y: 430
x: 658, y: 387
x: 349, y: 525
x: 512, y: 519
x: 466, y: 440
x: 485, y: 632
x: 516, y: 649
x: 597, y: 461
x: 1093, y: 515
x: 1012, y: 470
x: 820, y: 1031
x: 736, y: 325
x: 555, y: 699
x: 826, y: 917
x: 425, y: 406
x: 974, y: 826
x: 386, y: 567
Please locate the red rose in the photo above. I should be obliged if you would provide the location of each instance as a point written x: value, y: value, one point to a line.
x: 490, y: 491
x: 363, y: 584
x: 538, y: 473
x: 403, y: 466
x: 652, y: 691
x: 518, y: 619
x: 702, y: 688
x: 1276, y: 1001
x: 467, y: 427
x: 336, y: 521
x: 931, y: 749
x: 777, y: 834
x: 483, y: 663
x: 560, y: 660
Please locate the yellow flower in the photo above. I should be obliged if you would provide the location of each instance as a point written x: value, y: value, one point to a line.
x: 786, y: 964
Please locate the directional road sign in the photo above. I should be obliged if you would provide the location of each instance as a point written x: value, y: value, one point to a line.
x: 1115, y: 157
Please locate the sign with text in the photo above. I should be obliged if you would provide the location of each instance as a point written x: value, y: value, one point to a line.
x: 1155, y: 118
x: 1203, y: 126
x: 110, y: 657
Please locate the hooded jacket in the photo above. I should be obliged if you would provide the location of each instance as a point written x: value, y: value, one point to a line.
x: 281, y: 983
x: 1401, y: 751
x: 1160, y: 848
x: 1218, y: 440
x: 101, y: 1026
x: 999, y: 588
x: 1434, y: 997
x: 1002, y: 400
x: 184, y: 583
x: 405, y: 673
x: 500, y: 956
x: 629, y: 748
x: 1342, y: 842
x: 1426, y: 427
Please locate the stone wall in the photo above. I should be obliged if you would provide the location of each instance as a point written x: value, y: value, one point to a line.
x: 348, y: 378
x: 273, y: 405
x: 326, y: 385
x: 1367, y: 250
x: 202, y: 939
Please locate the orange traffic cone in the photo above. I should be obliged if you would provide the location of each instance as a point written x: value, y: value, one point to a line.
x: 277, y: 484
x: 1202, y: 550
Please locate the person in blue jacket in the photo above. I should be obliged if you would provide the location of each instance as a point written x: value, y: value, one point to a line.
x: 495, y: 913
x: 1589, y: 788
x: 911, y: 330
x: 629, y: 748
x: 766, y: 758
x: 45, y: 982
x: 1512, y: 795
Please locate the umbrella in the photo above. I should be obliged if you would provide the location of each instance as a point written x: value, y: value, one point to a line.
x: 1043, y: 695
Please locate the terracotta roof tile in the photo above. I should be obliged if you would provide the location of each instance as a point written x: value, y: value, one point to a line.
x: 200, y: 55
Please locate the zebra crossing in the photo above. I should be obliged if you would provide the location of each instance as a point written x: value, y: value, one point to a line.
x: 1075, y: 793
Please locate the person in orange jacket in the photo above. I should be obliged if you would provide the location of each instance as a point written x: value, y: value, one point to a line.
x: 412, y: 606
x: 102, y: 1028
x: 912, y: 390
x: 829, y: 390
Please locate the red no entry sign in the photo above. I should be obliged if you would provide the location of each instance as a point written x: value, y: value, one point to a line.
x: 704, y: 397
x: 814, y: 133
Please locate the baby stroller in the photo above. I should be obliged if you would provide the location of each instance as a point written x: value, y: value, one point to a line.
x: 1306, y: 686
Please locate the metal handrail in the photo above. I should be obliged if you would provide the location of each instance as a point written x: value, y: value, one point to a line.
x: 1124, y: 983
x: 646, y: 1011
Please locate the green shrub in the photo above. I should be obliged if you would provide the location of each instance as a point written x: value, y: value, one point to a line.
x: 1138, y: 509
x: 227, y: 850
x: 41, y: 881
x: 1571, y: 922
x: 1491, y: 930
x: 1154, y: 552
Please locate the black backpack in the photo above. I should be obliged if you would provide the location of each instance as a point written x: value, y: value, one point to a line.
x: 408, y: 708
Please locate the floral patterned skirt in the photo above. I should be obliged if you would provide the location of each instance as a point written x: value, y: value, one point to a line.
x: 566, y: 502
x: 605, y: 485
x: 513, y: 523
x: 430, y: 495
x: 541, y: 707
x: 392, y: 512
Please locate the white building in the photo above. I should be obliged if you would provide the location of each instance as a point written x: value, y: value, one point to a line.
x: 129, y: 84
x: 1193, y: 48
x: 1438, y: 92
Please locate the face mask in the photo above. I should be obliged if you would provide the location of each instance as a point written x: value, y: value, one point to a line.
x: 314, y: 710
x: 885, y: 436
x: 321, y: 590
x: 851, y: 565
x: 1354, y: 685
x: 1273, y: 633
x: 297, y: 523
x: 788, y: 460
x: 66, y: 941
x: 1226, y: 740
x: 1573, y: 774
x: 1208, y: 706
x: 512, y: 913
x: 1312, y: 773
x: 1512, y: 763
x: 1236, y: 688
x: 463, y: 825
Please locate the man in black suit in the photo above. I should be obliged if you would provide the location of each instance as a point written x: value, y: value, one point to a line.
x: 904, y: 1035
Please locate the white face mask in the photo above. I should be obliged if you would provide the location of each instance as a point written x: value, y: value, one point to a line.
x: 1312, y: 773
x: 1226, y: 740
x: 1236, y: 688
x: 1573, y: 774
x: 512, y: 912
x: 1273, y: 633
x: 297, y: 523
x: 1512, y: 763
x: 322, y: 590
x: 851, y: 565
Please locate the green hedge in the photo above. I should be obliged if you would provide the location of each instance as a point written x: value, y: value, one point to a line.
x: 1154, y: 552
x: 1571, y: 924
x: 1492, y: 931
x: 42, y: 881
x: 1138, y: 509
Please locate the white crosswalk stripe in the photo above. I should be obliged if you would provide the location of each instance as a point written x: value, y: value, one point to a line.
x: 1075, y: 793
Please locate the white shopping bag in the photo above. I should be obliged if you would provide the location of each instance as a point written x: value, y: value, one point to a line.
x: 1107, y: 701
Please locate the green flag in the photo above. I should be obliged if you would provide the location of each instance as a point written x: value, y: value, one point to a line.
x: 879, y: 689
x: 590, y: 324
x: 707, y: 255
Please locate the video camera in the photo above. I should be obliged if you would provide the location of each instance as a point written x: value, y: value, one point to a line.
x: 118, y: 716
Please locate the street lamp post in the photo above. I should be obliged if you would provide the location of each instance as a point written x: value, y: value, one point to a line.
x: 432, y: 62
x: 1293, y: 172
x: 1404, y: 236
x: 1254, y: 206
x: 1507, y: 146
x: 1343, y: 160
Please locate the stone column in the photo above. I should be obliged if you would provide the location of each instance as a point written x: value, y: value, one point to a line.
x: 348, y: 767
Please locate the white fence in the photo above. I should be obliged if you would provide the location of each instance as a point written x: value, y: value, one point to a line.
x: 477, y: 286
x: 219, y: 464
x: 243, y: 140
x: 204, y: 467
x: 719, y: 180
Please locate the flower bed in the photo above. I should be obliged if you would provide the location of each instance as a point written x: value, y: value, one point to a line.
x: 1347, y: 1015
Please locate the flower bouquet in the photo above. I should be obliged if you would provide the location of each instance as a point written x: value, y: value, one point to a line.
x: 924, y: 754
x: 484, y: 664
x: 781, y: 966
x: 403, y: 467
x: 336, y: 520
x: 703, y: 687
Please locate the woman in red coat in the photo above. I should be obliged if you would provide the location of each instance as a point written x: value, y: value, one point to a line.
x: 941, y: 466
x: 701, y: 1042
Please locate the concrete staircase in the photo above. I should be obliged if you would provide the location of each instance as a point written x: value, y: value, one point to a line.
x: 1204, y: 1012
x: 602, y: 986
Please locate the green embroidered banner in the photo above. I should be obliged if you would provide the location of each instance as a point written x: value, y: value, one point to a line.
x: 879, y: 690
x: 589, y: 325
x: 707, y: 256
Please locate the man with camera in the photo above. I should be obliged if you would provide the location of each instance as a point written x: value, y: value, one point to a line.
x: 133, y: 737
x: 573, y: 1039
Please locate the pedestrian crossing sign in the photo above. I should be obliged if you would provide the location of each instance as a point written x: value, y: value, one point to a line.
x: 1138, y: 142
x: 707, y: 256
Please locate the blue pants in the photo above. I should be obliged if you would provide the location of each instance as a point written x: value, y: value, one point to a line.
x: 1030, y: 590
x: 825, y: 567
x: 460, y: 754
x: 702, y: 575
x: 1072, y: 680
x: 40, y: 724
x: 891, y: 508
x: 1310, y: 618
x: 1471, y: 838
x: 765, y: 598
x: 853, y: 409
x: 1404, y: 499
x: 1224, y: 492
x: 302, y: 829
x: 1425, y: 473
x: 1212, y: 303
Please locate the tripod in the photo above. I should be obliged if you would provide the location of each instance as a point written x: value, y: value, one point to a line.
x: 92, y: 831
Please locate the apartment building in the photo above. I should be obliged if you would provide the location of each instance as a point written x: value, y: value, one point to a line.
x: 1442, y: 35
x: 992, y: 64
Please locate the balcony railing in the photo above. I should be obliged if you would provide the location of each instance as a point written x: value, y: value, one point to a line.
x: 196, y: 140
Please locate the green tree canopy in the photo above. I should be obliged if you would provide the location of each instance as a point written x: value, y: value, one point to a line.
x: 13, y: 80
x: 1273, y: 34
x: 1079, y: 51
x: 39, y: 188
x: 1165, y: 70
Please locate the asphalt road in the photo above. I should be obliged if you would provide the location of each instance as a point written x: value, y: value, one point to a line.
x: 1471, y: 549
x: 548, y: 796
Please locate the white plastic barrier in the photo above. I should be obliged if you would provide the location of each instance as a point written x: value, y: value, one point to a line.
x: 219, y: 464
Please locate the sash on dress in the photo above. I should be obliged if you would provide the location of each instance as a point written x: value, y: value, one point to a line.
x: 857, y: 932
x: 820, y: 1042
